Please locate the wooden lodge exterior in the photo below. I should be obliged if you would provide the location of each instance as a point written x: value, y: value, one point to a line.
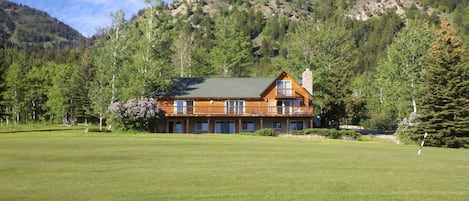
x: 234, y: 105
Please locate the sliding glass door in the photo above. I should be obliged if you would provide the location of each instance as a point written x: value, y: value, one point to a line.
x: 225, y: 127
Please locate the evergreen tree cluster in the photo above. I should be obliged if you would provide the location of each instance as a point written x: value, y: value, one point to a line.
x: 406, y: 72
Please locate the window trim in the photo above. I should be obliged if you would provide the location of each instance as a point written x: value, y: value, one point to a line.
x: 238, y: 107
x: 285, y: 87
x: 184, y: 106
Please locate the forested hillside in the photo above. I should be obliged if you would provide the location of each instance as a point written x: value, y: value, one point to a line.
x: 373, y: 61
x: 32, y: 29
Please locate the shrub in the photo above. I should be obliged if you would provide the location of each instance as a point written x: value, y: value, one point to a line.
x: 266, y: 132
x: 134, y: 114
x: 96, y: 130
x: 330, y: 133
x: 384, y: 121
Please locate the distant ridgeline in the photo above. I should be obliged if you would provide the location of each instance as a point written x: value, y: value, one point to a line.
x: 32, y: 29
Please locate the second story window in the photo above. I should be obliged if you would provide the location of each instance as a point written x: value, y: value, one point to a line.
x: 284, y: 88
x: 183, y: 106
x: 234, y: 107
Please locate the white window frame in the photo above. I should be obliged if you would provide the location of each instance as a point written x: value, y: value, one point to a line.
x: 238, y: 106
x: 285, y: 86
x: 184, y: 106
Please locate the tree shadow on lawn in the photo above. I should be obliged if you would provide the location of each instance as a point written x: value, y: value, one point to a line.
x: 40, y: 130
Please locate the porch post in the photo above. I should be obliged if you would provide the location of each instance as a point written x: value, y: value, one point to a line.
x: 208, y: 123
x: 187, y: 126
x: 262, y: 123
x: 240, y: 125
x: 311, y: 123
x: 288, y: 126
x: 166, y: 126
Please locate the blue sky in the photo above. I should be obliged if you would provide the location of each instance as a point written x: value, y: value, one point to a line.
x: 86, y: 15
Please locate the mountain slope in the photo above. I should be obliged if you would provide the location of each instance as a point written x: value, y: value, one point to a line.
x: 29, y: 28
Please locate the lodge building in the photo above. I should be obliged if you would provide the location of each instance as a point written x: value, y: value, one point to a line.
x: 234, y: 105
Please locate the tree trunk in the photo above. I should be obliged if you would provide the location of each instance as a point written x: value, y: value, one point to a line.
x: 34, y: 110
x: 181, y: 63
x: 100, y: 122
x: 414, y: 103
x: 17, y: 118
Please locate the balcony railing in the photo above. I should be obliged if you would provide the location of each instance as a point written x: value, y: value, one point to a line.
x: 238, y: 111
x: 284, y: 92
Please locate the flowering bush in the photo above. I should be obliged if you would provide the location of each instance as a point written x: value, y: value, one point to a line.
x: 134, y: 114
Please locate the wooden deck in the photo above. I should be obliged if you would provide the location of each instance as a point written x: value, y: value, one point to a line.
x: 246, y: 111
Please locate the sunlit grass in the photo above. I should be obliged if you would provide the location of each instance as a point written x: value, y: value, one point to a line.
x: 74, y: 165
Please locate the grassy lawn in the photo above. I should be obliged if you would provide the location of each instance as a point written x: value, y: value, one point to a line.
x: 65, y: 164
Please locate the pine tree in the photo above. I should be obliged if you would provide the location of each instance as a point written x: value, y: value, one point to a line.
x: 232, y: 50
x: 445, y: 98
x: 81, y: 107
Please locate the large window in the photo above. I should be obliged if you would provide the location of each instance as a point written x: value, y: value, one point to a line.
x: 284, y: 88
x: 248, y: 126
x: 284, y: 106
x: 179, y: 106
x: 276, y: 125
x: 234, y: 107
x: 225, y: 127
x: 296, y: 125
x: 178, y: 127
x: 296, y: 103
x: 201, y: 126
x: 183, y: 106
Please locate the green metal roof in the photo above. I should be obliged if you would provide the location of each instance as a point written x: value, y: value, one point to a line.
x: 220, y: 87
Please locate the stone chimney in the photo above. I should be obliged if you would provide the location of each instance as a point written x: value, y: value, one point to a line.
x: 307, y: 80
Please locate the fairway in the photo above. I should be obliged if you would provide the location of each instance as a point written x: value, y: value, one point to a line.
x: 73, y: 165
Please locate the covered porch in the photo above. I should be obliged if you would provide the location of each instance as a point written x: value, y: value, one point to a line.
x: 232, y: 125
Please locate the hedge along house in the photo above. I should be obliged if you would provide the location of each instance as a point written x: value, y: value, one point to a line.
x: 234, y: 105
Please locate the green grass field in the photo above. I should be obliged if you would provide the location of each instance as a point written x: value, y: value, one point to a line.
x: 73, y: 165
